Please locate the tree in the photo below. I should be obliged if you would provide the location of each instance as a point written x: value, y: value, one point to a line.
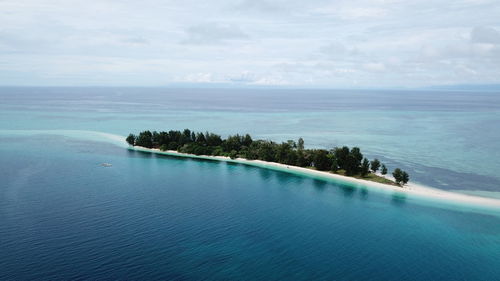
x: 232, y: 143
x: 335, y: 165
x: 300, y: 145
x: 252, y: 152
x: 164, y: 138
x: 284, y: 150
x: 183, y: 138
x: 174, y: 136
x: 291, y: 158
x: 187, y: 134
x: 400, y: 176
x: 266, y: 151
x: 384, y: 169
x: 405, y: 177
x: 397, y: 174
x: 200, y: 139
x: 145, y: 139
x: 213, y: 139
x: 155, y: 138
x: 247, y: 140
x: 172, y: 145
x: 302, y: 160
x: 321, y: 160
x: 356, y: 153
x: 365, y: 167
x: 375, y: 165
x: 352, y: 164
x: 341, y: 154
x: 131, y: 139
x: 233, y: 154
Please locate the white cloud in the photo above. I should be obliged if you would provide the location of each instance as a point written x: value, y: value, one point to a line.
x: 354, y: 12
x: 485, y: 35
x: 197, y: 78
x: 325, y: 43
x: 271, y: 81
x: 212, y: 33
x: 374, y: 66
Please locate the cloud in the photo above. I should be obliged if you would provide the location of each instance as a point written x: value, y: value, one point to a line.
x: 243, y: 78
x: 485, y: 35
x: 135, y: 41
x: 354, y: 12
x: 324, y: 43
x: 337, y: 50
x: 197, y: 78
x: 271, y: 81
x: 264, y: 6
x: 334, y: 49
x: 374, y: 66
x: 212, y: 33
x: 482, y: 46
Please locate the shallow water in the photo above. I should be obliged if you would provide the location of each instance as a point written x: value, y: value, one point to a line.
x: 64, y: 216
x: 449, y: 140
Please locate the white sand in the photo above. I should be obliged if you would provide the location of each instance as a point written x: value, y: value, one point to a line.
x: 410, y: 189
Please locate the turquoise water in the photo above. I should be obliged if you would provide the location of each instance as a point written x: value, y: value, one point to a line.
x: 64, y: 216
x: 449, y: 140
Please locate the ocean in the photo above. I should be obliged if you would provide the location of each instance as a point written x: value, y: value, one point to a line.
x: 64, y: 216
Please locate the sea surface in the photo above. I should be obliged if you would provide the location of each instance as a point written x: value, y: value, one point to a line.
x: 64, y: 216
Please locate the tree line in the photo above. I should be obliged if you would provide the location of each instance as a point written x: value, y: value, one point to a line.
x: 341, y: 160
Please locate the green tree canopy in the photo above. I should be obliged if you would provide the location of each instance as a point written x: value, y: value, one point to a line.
x: 384, y: 170
x: 131, y: 139
x: 375, y: 165
x: 405, y: 178
x: 145, y: 139
x: 300, y: 144
x: 400, y: 176
x: 365, y: 167
x: 321, y: 160
x: 289, y: 152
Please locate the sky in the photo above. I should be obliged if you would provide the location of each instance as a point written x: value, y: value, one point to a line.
x: 290, y: 43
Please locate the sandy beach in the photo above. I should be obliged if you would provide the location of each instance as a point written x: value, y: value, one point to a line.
x: 409, y: 190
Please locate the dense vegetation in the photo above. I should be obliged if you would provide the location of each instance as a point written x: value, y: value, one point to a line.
x: 341, y: 160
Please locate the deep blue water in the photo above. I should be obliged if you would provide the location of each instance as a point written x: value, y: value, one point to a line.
x: 64, y: 216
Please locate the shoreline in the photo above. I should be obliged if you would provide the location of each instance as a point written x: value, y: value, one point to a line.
x: 414, y: 190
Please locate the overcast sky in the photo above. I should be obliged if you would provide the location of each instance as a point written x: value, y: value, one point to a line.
x: 313, y: 43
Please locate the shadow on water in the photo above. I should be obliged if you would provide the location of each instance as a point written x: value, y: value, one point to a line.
x: 265, y: 174
x: 319, y: 185
x: 363, y: 193
x: 148, y: 154
x: 140, y: 154
x: 283, y: 178
x: 348, y: 191
x: 398, y: 199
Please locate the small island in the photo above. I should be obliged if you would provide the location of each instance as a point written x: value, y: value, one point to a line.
x: 343, y: 161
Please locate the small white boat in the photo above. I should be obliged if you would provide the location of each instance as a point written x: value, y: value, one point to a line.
x: 106, y: 165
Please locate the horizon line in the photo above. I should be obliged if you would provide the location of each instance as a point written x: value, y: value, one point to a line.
x: 455, y: 87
